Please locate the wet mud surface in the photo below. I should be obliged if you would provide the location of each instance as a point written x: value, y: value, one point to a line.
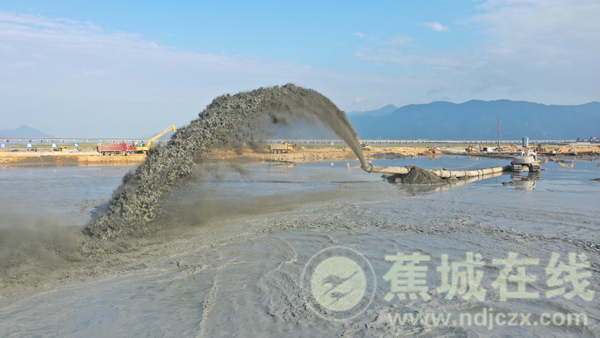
x: 182, y: 248
x: 234, y: 269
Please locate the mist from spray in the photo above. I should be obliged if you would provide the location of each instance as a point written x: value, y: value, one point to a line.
x: 243, y: 118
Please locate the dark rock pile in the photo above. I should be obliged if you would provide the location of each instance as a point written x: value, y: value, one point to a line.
x: 416, y: 175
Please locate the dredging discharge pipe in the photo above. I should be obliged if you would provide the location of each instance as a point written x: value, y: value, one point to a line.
x: 368, y: 167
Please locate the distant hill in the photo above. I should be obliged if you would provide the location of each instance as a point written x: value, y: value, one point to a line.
x: 384, y: 111
x: 23, y: 131
x: 478, y: 120
x: 317, y: 130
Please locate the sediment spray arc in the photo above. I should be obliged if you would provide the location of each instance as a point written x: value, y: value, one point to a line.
x: 228, y: 120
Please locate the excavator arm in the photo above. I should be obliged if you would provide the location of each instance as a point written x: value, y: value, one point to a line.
x: 146, y: 147
x: 161, y: 134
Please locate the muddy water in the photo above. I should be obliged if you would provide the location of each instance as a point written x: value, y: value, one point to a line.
x: 244, y: 278
x: 68, y: 193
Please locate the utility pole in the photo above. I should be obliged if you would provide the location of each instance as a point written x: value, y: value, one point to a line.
x: 499, y: 148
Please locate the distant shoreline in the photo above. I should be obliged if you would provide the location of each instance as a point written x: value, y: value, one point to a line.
x: 314, y: 153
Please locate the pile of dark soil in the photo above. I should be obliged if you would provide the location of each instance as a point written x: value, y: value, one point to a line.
x: 416, y: 175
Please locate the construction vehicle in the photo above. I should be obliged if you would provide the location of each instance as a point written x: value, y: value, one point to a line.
x: 577, y: 149
x: 68, y: 149
x: 115, y: 148
x: 144, y: 147
x: 365, y: 146
x: 525, y: 158
x: 280, y: 148
x: 562, y: 150
x: 471, y: 149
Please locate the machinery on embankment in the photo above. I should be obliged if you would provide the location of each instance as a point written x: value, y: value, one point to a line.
x: 116, y: 149
x: 144, y: 147
x: 280, y: 148
x: 130, y: 148
x: 576, y: 149
x: 571, y: 149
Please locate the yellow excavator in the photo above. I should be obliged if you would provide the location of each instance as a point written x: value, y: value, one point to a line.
x: 141, y: 147
x: 563, y: 149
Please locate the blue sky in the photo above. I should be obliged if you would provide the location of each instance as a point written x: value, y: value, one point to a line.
x: 308, y: 32
x: 72, y: 68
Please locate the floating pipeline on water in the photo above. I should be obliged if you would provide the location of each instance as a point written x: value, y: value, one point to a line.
x: 411, y: 174
x: 368, y: 167
x: 230, y: 120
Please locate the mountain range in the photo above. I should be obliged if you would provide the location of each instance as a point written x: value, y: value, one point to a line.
x: 383, y: 111
x: 23, y: 131
x: 476, y: 119
x: 470, y: 120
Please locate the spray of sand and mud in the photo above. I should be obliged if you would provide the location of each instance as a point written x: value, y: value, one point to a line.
x: 46, y: 251
x: 143, y: 204
x: 229, y: 120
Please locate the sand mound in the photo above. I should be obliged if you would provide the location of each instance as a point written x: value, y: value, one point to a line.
x: 416, y: 175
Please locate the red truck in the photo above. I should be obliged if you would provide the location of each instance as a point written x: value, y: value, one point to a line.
x: 116, y: 148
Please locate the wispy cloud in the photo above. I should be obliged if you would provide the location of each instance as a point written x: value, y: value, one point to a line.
x: 66, y: 74
x: 543, y: 45
x: 436, y: 26
x: 35, y: 20
x: 56, y: 70
x: 536, y: 50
